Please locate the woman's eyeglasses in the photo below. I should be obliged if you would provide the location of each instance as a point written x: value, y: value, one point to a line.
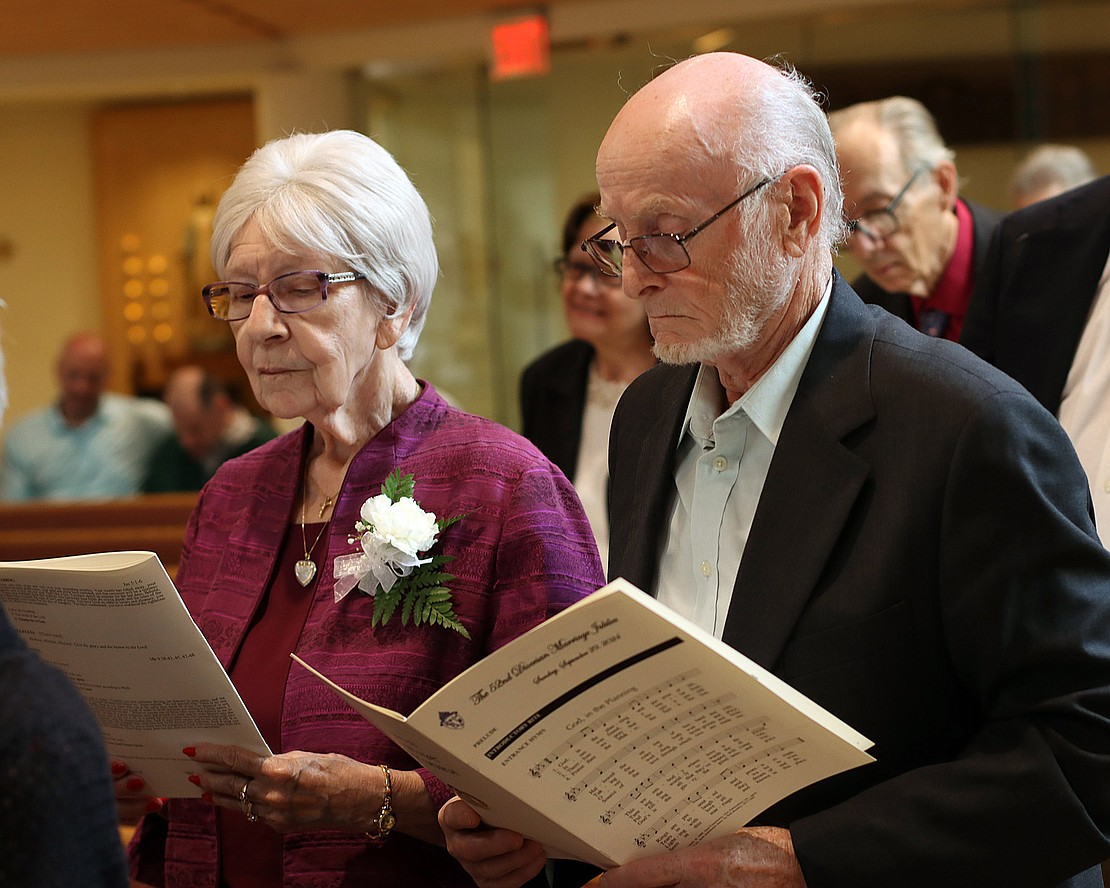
x: 292, y: 293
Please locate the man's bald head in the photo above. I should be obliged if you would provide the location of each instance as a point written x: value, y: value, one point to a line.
x: 732, y: 115
x: 82, y: 372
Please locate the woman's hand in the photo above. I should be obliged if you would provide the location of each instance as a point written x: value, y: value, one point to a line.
x: 133, y: 798
x: 305, y: 790
x: 494, y: 858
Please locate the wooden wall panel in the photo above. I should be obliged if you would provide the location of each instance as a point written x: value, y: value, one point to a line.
x: 158, y: 170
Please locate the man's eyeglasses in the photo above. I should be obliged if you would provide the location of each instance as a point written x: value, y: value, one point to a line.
x: 566, y: 270
x: 880, y: 224
x: 660, y: 253
x: 292, y: 293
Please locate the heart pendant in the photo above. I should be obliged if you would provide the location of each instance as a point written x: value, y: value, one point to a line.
x: 305, y: 570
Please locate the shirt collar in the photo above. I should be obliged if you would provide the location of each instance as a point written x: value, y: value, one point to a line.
x: 954, y: 286
x: 768, y: 401
x: 96, y: 419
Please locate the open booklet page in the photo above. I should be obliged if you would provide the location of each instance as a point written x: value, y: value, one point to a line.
x: 617, y: 729
x: 116, y: 626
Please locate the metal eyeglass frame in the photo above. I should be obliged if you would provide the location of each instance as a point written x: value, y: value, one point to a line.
x: 602, y: 258
x: 861, y: 226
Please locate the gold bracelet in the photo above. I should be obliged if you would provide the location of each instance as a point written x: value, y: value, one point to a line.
x: 385, y: 821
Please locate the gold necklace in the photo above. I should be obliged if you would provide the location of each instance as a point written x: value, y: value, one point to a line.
x: 305, y: 569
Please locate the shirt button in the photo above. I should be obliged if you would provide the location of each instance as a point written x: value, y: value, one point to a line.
x: 720, y: 463
x: 706, y: 568
x: 1106, y: 485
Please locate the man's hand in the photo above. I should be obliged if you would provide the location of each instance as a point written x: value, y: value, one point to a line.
x: 494, y: 858
x: 759, y: 857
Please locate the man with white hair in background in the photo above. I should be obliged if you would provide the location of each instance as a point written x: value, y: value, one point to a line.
x: 1050, y: 170
x: 919, y: 242
x: 885, y: 522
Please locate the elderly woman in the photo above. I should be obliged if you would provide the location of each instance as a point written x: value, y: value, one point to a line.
x: 327, y: 255
x: 568, y: 394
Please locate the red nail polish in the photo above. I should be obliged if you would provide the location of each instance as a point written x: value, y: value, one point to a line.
x: 154, y: 805
x: 190, y: 751
x: 194, y: 779
x: 135, y: 783
x: 207, y: 796
x: 118, y: 769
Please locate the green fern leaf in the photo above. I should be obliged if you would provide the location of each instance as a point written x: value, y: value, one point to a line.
x: 398, y: 486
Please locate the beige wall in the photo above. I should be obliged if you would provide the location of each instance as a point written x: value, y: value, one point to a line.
x: 49, y: 282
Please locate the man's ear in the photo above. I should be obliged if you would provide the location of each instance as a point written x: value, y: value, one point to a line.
x: 804, y: 203
x: 390, y: 329
x: 948, y: 181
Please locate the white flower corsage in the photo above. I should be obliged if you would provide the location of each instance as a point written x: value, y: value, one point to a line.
x: 394, y: 565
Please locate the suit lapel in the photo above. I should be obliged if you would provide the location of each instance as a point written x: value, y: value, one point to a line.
x: 812, y: 485
x: 648, y: 506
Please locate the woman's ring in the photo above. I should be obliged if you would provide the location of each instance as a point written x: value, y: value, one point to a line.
x: 245, y: 802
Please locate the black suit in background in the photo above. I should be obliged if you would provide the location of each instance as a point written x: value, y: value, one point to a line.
x: 1038, y: 282
x: 983, y: 223
x: 922, y: 563
x: 552, y: 400
x: 58, y: 824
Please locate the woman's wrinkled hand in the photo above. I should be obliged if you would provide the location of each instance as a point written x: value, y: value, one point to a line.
x: 292, y: 791
x: 494, y: 858
x: 133, y: 797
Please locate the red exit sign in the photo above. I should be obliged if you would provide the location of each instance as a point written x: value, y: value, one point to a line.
x: 521, y: 48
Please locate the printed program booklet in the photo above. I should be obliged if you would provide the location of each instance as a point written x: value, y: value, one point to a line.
x: 115, y: 624
x: 616, y: 730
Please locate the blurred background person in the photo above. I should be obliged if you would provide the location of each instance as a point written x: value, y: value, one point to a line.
x: 1050, y: 170
x: 328, y: 262
x: 91, y: 444
x: 57, y: 816
x: 568, y: 394
x: 1041, y: 313
x: 919, y: 243
x: 208, y: 429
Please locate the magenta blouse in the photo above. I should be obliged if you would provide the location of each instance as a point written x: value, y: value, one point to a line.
x: 523, y: 551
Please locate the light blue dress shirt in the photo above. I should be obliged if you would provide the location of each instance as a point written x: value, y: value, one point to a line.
x: 721, y: 465
x: 106, y: 456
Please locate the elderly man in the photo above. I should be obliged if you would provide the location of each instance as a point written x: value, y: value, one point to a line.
x: 889, y: 524
x: 90, y: 444
x: 208, y: 430
x: 1050, y: 170
x: 919, y: 243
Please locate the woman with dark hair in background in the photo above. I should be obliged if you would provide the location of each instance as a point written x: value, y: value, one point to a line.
x: 569, y: 393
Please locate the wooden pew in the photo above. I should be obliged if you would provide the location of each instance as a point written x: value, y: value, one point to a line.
x: 154, y: 522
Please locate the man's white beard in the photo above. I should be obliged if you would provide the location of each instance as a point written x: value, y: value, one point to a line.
x: 749, y: 305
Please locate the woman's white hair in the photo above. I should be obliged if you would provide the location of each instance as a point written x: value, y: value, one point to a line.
x: 342, y: 194
x: 780, y: 127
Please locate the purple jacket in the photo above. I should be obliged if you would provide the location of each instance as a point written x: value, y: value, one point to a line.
x: 524, y: 551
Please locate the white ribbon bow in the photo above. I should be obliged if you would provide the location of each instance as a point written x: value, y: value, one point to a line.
x: 379, y: 564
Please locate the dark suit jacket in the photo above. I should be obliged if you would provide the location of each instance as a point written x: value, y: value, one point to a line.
x: 923, y: 563
x: 552, y: 398
x: 983, y: 223
x: 57, y: 809
x: 1035, y: 291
